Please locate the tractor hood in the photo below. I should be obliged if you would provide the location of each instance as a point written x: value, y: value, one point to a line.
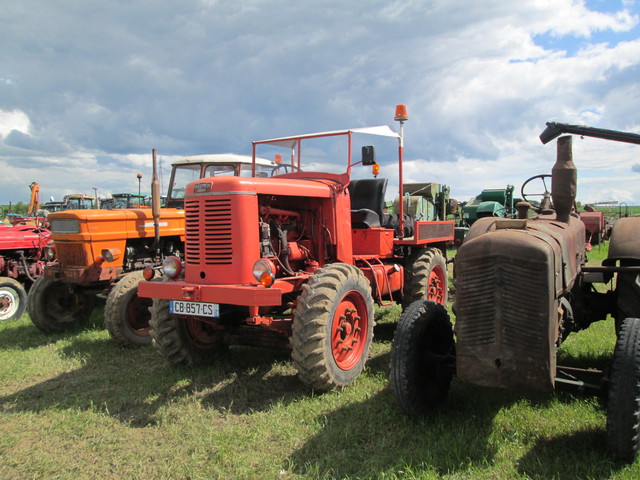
x: 301, y: 184
x: 21, y: 237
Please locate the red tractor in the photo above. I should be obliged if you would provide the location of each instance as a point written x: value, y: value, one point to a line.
x: 297, y: 261
x: 23, y: 249
x: 522, y: 286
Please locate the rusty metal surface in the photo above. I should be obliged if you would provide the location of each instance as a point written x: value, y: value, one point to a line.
x: 571, y: 238
x: 509, y: 276
x: 625, y: 240
x: 503, y: 310
x: 564, y: 180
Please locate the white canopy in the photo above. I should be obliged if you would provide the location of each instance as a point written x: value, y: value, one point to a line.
x: 292, y: 141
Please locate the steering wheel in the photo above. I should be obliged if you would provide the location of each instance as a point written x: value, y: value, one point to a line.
x: 287, y: 167
x: 545, y: 201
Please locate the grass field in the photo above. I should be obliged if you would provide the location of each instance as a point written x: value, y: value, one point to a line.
x: 75, y: 406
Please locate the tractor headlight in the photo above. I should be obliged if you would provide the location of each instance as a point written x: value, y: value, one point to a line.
x: 49, y: 253
x: 264, y: 272
x: 111, y: 254
x: 65, y: 225
x: 172, y: 266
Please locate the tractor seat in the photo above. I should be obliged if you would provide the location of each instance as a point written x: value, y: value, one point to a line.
x: 367, y: 202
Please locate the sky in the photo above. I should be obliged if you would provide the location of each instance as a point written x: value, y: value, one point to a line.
x: 87, y: 89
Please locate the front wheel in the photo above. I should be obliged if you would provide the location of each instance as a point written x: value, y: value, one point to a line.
x: 126, y: 315
x: 422, y: 358
x: 184, y: 340
x: 332, y: 327
x: 623, y: 409
x: 13, y: 299
x: 55, y: 306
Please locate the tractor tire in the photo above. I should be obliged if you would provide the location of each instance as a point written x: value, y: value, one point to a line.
x: 425, y: 278
x: 13, y: 299
x: 184, y: 340
x: 55, y: 306
x: 623, y: 408
x: 422, y: 358
x: 332, y: 327
x: 126, y: 315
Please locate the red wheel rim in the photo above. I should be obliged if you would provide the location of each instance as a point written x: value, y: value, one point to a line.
x: 201, y: 333
x: 349, y: 330
x: 435, y: 287
x: 138, y: 315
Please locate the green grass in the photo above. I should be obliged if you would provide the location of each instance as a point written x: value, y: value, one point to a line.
x: 76, y: 406
x: 619, y: 210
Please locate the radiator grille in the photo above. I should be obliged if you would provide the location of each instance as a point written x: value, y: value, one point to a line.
x: 497, y: 304
x: 72, y: 254
x: 209, y: 238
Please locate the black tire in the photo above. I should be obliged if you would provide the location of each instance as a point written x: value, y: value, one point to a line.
x: 425, y: 278
x: 184, y: 340
x: 422, y: 358
x: 13, y: 299
x: 623, y: 408
x: 55, y: 306
x: 332, y: 327
x: 126, y: 315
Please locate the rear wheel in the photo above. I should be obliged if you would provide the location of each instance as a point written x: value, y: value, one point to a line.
x: 13, y: 299
x: 126, y: 315
x: 623, y: 409
x: 425, y: 277
x: 184, y: 340
x: 422, y: 358
x: 55, y: 306
x: 332, y: 327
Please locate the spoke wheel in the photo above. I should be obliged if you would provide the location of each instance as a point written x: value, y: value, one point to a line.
x: 332, y: 327
x: 544, y: 196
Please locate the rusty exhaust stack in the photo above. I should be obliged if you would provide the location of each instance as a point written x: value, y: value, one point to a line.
x: 564, y: 180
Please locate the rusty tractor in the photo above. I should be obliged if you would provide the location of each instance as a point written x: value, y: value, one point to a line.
x: 504, y: 338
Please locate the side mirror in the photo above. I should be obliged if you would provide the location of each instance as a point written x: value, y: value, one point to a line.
x: 368, y: 155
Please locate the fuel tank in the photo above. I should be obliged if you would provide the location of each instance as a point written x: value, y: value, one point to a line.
x: 510, y: 275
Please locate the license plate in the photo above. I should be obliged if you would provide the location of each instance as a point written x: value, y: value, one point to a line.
x: 199, y: 309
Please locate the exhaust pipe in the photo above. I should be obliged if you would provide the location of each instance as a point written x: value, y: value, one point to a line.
x: 564, y: 180
x: 155, y: 201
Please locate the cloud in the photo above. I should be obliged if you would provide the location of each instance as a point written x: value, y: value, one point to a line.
x: 111, y: 81
x: 636, y: 168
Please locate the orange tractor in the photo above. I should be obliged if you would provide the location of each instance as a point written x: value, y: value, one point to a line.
x: 297, y: 261
x: 104, y: 251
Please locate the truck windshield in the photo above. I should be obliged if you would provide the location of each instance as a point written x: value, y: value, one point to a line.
x: 182, y: 175
x: 219, y: 171
x: 261, y: 170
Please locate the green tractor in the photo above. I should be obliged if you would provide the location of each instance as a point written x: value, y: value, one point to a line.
x: 492, y: 202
